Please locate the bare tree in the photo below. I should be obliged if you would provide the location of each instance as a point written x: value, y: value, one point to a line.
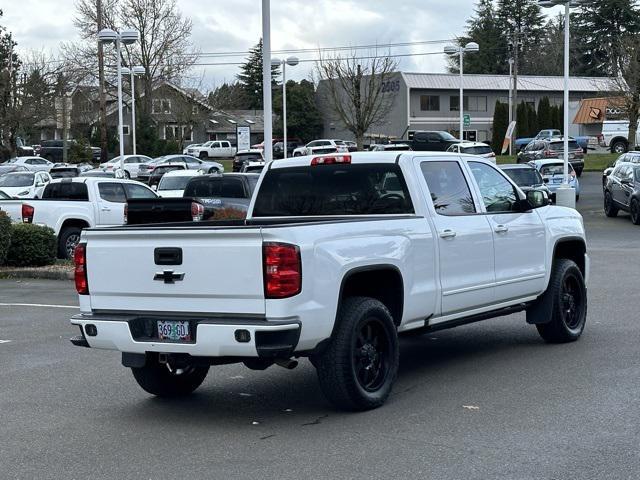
x: 627, y: 85
x: 353, y: 88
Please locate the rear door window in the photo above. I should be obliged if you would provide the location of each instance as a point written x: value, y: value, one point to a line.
x: 112, y: 192
x: 138, y: 191
x: 450, y: 192
x: 497, y: 192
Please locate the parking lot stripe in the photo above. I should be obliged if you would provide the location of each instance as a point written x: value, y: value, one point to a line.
x: 36, y: 305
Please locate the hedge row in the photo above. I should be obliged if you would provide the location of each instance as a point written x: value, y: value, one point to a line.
x: 26, y: 245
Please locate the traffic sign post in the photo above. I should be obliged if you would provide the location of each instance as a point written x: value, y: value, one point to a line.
x: 467, y: 120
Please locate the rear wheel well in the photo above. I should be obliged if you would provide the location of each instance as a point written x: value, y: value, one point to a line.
x: 383, y: 283
x: 74, y: 223
x: 572, y: 249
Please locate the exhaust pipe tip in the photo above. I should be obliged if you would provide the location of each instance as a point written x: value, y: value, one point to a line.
x: 288, y: 363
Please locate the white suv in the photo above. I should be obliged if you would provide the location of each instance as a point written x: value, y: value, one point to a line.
x: 318, y: 147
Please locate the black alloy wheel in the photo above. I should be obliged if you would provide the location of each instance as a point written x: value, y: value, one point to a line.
x: 370, y: 358
x: 634, y: 210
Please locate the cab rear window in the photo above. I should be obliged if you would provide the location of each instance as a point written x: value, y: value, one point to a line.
x: 361, y: 189
x: 66, y: 191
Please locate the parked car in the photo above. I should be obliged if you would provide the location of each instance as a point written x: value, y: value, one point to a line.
x: 278, y: 149
x: 390, y: 147
x: 52, y: 150
x: 185, y: 151
x: 173, y: 183
x: 213, y: 149
x: 152, y: 177
x: 629, y: 157
x: 330, y: 267
x: 191, y: 163
x: 69, y: 205
x: 10, y: 167
x: 203, y: 197
x: 552, y: 172
x: 131, y: 164
x: 526, y: 177
x: 319, y: 147
x: 66, y: 171
x: 33, y: 164
x: 553, y: 149
x: 432, y: 141
x: 550, y: 134
x: 245, y: 156
x: 474, y: 148
x: 622, y: 191
x: 253, y: 167
x: 615, y: 135
x: 97, y: 172
x: 24, y: 184
x: 351, y: 146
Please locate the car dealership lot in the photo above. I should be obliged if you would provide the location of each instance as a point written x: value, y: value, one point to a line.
x: 488, y: 400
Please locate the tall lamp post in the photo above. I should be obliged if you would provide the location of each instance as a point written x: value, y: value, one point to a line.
x: 565, y: 195
x: 125, y: 37
x: 133, y: 72
x: 266, y: 80
x: 470, y: 47
x: 292, y: 62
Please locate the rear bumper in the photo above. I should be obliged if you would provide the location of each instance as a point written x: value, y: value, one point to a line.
x: 214, y: 337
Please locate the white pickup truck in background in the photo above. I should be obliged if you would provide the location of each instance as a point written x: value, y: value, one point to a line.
x: 69, y: 205
x: 339, y: 254
x: 213, y: 149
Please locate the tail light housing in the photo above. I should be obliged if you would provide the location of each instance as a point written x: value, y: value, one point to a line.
x: 331, y: 160
x: 197, y: 211
x: 550, y: 154
x: 27, y: 213
x: 80, y: 272
x: 282, y: 270
x: 126, y: 213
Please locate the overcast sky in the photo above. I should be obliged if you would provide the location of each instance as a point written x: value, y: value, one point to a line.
x: 235, y: 25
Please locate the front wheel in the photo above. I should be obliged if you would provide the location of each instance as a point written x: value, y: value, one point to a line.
x: 634, y: 210
x: 610, y: 210
x: 619, y: 147
x: 358, y: 368
x: 568, y: 295
x: 163, y: 380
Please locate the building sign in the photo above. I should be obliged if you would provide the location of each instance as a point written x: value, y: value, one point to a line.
x: 615, y: 113
x: 243, y: 137
x: 467, y: 120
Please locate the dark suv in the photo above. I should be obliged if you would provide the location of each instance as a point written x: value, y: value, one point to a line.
x: 52, y: 150
x: 432, y: 141
x: 622, y: 191
x: 551, y: 149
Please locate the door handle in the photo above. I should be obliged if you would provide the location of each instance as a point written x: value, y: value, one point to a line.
x: 501, y: 229
x: 105, y: 209
x: 448, y: 233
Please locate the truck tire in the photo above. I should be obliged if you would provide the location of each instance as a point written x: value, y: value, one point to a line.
x: 357, y: 369
x: 619, y: 146
x: 158, y: 379
x: 610, y: 209
x: 568, y: 295
x: 203, y: 156
x: 634, y: 210
x: 67, y: 241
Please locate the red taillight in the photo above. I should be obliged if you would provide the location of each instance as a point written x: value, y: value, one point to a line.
x: 197, y: 211
x: 80, y: 259
x: 331, y: 160
x: 282, y: 270
x: 27, y: 213
x: 550, y: 153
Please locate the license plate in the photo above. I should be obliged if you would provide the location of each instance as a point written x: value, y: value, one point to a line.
x: 556, y: 180
x: 174, y: 331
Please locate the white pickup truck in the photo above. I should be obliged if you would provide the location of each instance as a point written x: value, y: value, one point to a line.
x: 69, y: 205
x: 213, y: 149
x: 338, y: 255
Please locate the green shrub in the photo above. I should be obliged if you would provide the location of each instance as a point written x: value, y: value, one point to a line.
x: 31, y: 246
x: 5, y: 236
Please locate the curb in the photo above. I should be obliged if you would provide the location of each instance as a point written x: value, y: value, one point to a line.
x: 36, y: 274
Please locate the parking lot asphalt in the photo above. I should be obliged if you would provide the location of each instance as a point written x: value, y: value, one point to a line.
x: 484, y: 401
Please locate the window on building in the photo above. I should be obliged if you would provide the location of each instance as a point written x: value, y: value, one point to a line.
x: 161, y: 105
x: 472, y: 103
x: 429, y: 103
x: 125, y: 130
x: 194, y: 110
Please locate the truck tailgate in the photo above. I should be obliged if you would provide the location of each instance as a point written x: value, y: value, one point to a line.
x: 222, y: 270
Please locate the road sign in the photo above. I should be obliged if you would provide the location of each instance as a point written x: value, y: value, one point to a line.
x: 467, y: 120
x: 243, y: 138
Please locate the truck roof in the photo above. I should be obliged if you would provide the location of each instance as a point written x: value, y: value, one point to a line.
x: 90, y: 180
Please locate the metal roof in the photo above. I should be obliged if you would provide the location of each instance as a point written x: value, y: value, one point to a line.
x: 451, y: 81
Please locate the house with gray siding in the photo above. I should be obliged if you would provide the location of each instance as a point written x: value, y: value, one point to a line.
x: 431, y: 101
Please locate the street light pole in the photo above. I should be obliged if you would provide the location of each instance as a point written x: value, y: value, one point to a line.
x: 292, y: 62
x: 266, y: 80
x: 470, y: 47
x: 120, y: 119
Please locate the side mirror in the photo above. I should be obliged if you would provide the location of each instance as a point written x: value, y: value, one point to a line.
x: 545, y: 180
x: 40, y: 184
x: 537, y: 198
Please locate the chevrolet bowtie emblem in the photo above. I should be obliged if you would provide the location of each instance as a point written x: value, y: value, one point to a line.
x: 168, y: 276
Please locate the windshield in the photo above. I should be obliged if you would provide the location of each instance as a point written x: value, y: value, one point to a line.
x: 173, y: 183
x: 447, y: 136
x: 333, y: 190
x: 249, y: 157
x: 554, y: 169
x: 17, y: 180
x: 64, y: 173
x: 477, y: 150
x: 558, y: 146
x: 524, y: 177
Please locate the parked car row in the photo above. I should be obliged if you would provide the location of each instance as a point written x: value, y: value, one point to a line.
x: 622, y: 189
x: 553, y: 149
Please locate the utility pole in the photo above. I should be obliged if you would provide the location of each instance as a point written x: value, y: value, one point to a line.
x: 103, y: 102
x: 514, y: 112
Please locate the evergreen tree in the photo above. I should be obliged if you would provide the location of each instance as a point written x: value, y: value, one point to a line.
x: 601, y: 28
x: 523, y: 23
x: 544, y: 113
x: 483, y: 29
x: 229, y: 96
x: 251, y: 76
x: 304, y: 120
x: 522, y: 120
x: 500, y: 125
x: 532, y: 119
